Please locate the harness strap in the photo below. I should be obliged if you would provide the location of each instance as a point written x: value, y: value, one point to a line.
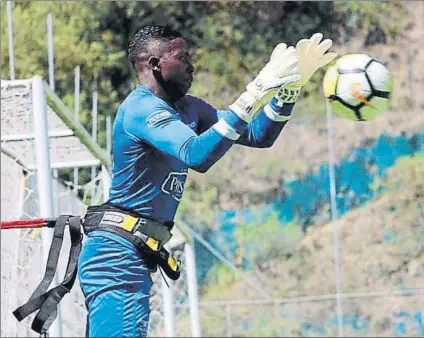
x: 148, y: 235
x: 52, y: 260
x: 48, y: 301
x: 161, y: 257
x: 153, y: 233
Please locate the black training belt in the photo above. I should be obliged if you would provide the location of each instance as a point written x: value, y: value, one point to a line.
x: 47, y: 302
x: 148, y: 235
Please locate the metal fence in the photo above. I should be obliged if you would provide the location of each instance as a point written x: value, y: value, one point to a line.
x: 331, y: 283
x: 23, y: 252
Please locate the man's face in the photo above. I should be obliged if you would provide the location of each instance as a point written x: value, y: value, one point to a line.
x: 176, y: 69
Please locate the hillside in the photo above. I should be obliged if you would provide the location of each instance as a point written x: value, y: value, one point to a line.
x: 246, y: 177
x: 382, y: 242
x: 382, y: 249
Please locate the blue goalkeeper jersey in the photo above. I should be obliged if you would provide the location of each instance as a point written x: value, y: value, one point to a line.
x: 154, y: 145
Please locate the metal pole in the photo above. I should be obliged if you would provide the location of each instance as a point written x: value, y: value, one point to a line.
x: 10, y: 34
x: 168, y: 307
x: 44, y: 173
x: 55, y: 192
x: 56, y: 210
x: 108, y: 134
x: 50, y: 50
x: 190, y: 262
x: 93, y: 187
x: 109, y: 137
x: 75, y: 190
x: 106, y: 181
x: 76, y: 181
x: 77, y: 83
x: 94, y: 117
x: 94, y: 136
x: 228, y: 322
x: 334, y: 216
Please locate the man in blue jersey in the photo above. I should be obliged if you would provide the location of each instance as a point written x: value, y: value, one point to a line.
x: 159, y: 134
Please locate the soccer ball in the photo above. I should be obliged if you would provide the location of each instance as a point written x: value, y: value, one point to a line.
x: 358, y: 87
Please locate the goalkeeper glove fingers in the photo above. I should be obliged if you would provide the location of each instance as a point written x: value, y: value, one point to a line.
x: 312, y: 55
x: 279, y: 71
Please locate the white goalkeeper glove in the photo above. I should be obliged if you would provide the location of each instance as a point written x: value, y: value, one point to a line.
x: 311, y: 55
x: 280, y: 71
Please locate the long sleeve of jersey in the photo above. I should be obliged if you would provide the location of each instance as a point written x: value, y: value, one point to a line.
x: 161, y: 127
x: 261, y: 132
x: 154, y: 145
x: 265, y: 128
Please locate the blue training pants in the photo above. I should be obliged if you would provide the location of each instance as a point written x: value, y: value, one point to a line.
x: 116, y: 284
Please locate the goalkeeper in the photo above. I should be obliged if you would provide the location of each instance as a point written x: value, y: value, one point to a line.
x: 159, y: 133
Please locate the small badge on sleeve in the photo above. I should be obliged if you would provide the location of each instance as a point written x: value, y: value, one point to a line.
x: 157, y: 117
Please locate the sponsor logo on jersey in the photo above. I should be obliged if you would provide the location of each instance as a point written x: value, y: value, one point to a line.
x: 157, y: 117
x: 192, y: 125
x: 174, y: 185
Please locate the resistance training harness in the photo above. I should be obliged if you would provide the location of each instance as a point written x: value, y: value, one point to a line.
x: 149, y: 236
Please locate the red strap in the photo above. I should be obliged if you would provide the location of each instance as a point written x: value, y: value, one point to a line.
x: 25, y: 223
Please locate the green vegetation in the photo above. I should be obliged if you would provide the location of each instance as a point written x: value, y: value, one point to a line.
x: 382, y: 248
x: 230, y: 41
x: 257, y: 244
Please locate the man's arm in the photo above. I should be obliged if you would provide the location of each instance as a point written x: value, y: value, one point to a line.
x: 261, y: 132
x: 264, y: 100
x: 311, y: 54
x: 166, y: 132
x: 169, y: 134
x: 267, y: 125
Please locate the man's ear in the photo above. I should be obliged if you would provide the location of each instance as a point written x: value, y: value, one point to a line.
x: 153, y: 63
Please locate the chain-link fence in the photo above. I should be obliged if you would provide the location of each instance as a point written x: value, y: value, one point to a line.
x: 23, y: 250
x: 22, y: 253
x: 269, y: 280
x: 360, y: 275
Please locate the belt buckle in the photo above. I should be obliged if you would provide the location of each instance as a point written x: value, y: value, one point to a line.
x: 151, y: 242
x: 130, y: 223
x: 140, y: 222
x: 120, y: 220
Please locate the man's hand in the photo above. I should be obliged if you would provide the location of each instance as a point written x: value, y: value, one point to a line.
x: 281, y: 65
x: 280, y: 71
x: 312, y: 55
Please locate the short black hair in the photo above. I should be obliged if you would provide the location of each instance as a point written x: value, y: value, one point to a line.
x: 146, y: 34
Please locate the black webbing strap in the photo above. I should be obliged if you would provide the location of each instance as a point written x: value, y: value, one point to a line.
x: 48, y: 301
x: 160, y: 257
